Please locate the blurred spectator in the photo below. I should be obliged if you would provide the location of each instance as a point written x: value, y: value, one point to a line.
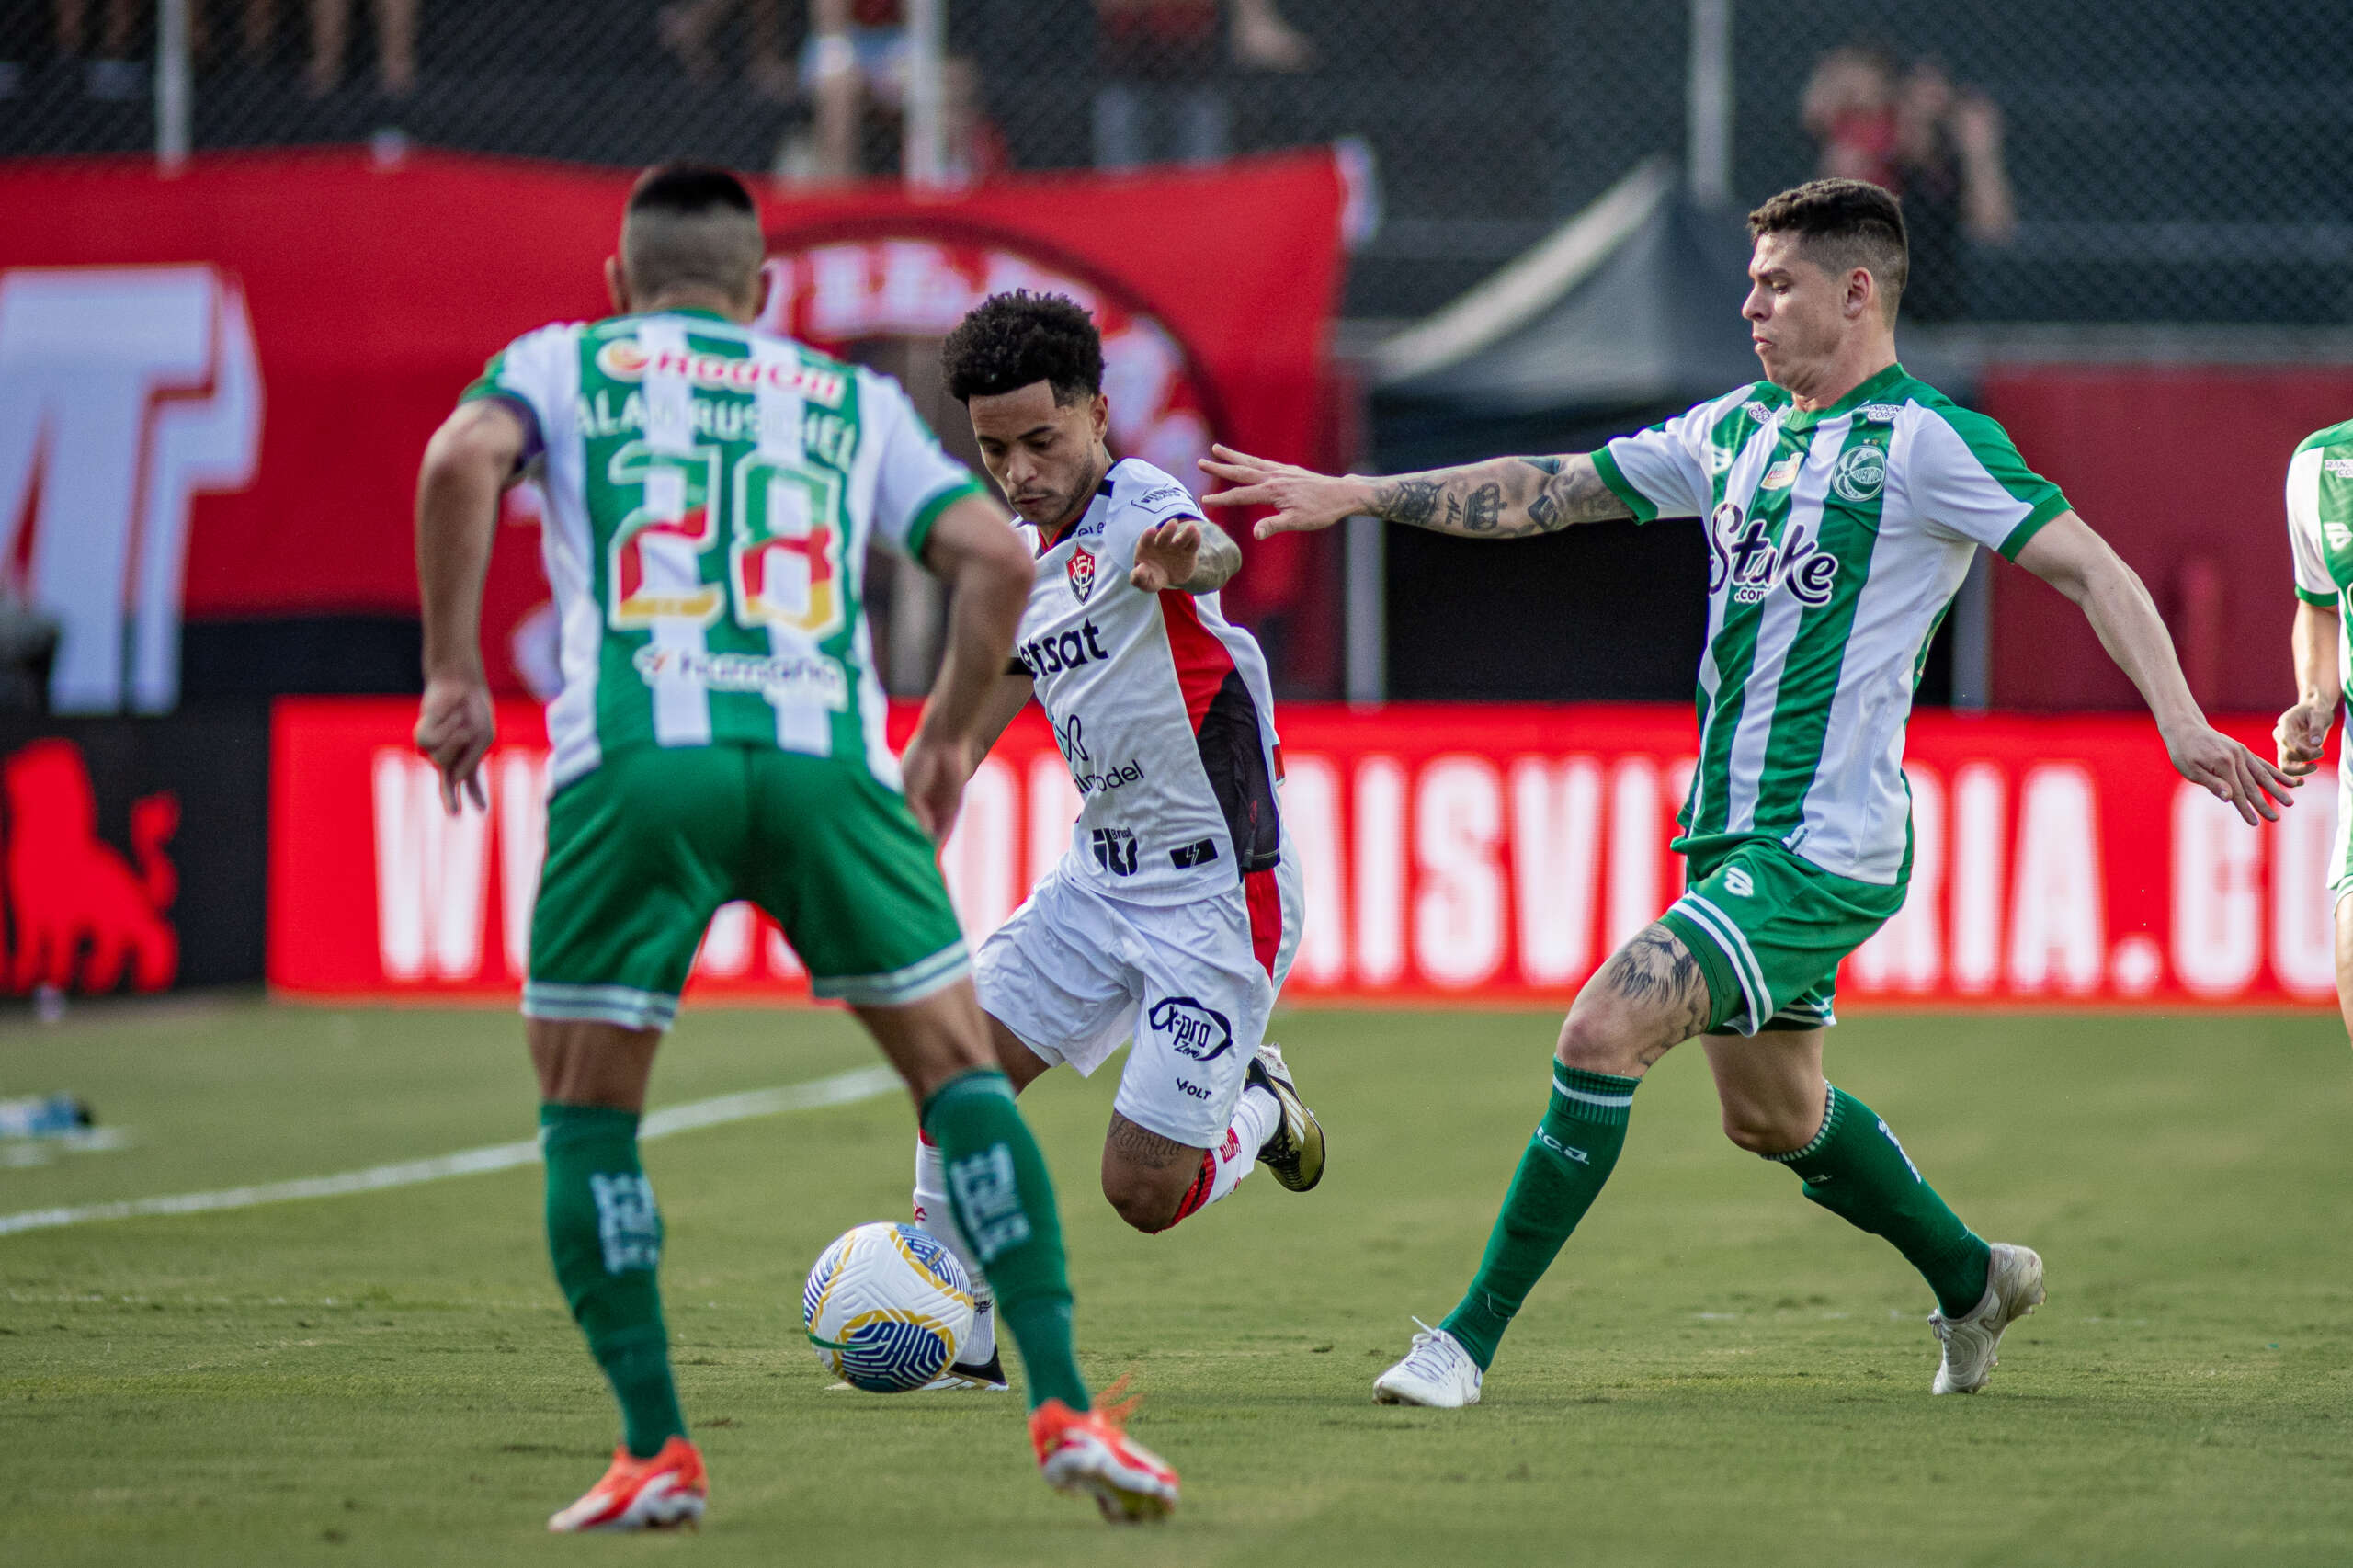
x: 1160, y: 61
x: 396, y: 45
x: 1955, y: 192
x: 1937, y: 146
x: 113, y: 75
x: 854, y: 65
x: 689, y: 27
x: 116, y: 75
x: 1849, y: 107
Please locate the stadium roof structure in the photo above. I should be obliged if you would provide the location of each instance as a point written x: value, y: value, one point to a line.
x: 1633, y: 303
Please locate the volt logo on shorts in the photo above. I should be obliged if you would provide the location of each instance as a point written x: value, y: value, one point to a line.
x: 627, y: 1222
x: 1199, y: 1091
x: 1192, y: 1029
x: 1579, y: 1155
x: 988, y: 1200
x: 1115, y: 851
x: 1739, y: 882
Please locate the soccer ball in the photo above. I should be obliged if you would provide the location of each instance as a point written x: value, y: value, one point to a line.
x: 887, y: 1307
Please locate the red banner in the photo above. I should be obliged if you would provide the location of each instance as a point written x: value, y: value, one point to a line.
x: 238, y: 365
x: 1478, y: 854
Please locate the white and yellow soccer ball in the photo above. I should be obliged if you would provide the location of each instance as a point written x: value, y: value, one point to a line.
x: 887, y: 1308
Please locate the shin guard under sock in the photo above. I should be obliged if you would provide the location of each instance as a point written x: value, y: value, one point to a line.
x: 1004, y: 1203
x: 604, y: 1236
x: 1571, y: 1155
x: 1856, y: 1169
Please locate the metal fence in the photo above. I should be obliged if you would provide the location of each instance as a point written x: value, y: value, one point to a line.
x: 2064, y: 160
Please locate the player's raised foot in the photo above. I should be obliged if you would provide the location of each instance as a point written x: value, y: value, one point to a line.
x: 988, y: 1377
x: 1436, y: 1372
x: 2013, y: 1288
x: 1090, y: 1452
x: 642, y: 1494
x: 1294, y: 1154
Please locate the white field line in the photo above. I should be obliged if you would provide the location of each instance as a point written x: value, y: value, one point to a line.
x: 842, y: 1089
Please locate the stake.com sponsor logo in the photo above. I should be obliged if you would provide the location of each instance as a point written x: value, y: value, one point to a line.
x: 625, y: 360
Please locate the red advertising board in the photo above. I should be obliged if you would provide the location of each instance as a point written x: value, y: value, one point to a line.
x: 221, y: 381
x: 1453, y: 854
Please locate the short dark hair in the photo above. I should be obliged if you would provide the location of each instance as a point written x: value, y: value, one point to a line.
x: 1841, y: 224
x: 693, y: 226
x: 1011, y: 340
x: 689, y: 190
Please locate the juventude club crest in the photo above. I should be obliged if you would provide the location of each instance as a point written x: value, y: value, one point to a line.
x: 1861, y: 473
x: 1082, y: 572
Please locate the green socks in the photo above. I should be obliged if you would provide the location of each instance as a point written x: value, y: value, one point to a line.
x: 1004, y: 1203
x: 604, y: 1236
x: 1856, y: 1169
x: 1574, y: 1148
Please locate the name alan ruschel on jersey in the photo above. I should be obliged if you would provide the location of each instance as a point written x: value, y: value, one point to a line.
x: 828, y: 438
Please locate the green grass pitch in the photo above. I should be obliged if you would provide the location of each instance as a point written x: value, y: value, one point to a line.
x: 1716, y: 1372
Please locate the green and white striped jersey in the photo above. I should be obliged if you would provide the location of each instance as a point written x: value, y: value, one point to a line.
x: 2319, y: 533
x: 1836, y: 540
x: 710, y: 492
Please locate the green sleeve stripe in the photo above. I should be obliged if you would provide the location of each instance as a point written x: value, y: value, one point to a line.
x: 1619, y: 487
x: 2327, y: 601
x: 1998, y: 455
x: 919, y: 527
x: 2053, y: 505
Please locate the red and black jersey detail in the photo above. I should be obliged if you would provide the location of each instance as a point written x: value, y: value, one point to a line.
x: 1229, y: 731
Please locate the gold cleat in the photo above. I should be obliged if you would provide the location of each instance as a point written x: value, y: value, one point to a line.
x: 1295, y: 1153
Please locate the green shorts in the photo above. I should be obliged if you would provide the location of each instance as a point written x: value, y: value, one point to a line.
x: 1769, y: 931
x: 643, y: 851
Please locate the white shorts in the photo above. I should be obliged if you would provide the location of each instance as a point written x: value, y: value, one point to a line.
x: 2340, y: 852
x: 1074, y: 973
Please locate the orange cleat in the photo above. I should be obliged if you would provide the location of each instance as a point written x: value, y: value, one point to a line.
x: 642, y: 1494
x: 1091, y: 1452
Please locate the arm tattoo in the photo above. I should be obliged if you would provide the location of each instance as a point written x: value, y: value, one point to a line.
x: 1413, y: 501
x: 1216, y: 563
x: 1484, y: 509
x: 1656, y: 973
x: 1501, y: 498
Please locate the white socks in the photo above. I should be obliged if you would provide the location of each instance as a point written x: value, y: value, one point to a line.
x: 934, y: 1215
x: 1255, y: 1120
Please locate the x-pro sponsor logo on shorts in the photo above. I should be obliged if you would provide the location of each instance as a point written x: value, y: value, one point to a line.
x: 1192, y: 1028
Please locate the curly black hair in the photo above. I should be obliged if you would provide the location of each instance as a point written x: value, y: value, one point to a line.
x: 1010, y: 340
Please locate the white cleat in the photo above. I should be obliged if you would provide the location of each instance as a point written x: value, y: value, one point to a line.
x: 1436, y: 1372
x: 2013, y: 1288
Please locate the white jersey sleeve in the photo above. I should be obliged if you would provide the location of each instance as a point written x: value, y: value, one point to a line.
x: 1965, y: 481
x: 1663, y: 472
x: 537, y: 376
x: 914, y: 479
x: 2306, y: 546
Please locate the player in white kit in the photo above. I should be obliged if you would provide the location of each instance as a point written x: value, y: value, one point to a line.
x: 1175, y: 915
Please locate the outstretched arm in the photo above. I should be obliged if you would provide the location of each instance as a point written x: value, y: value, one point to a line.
x: 470, y: 459
x: 2078, y: 563
x: 1501, y: 498
x: 1189, y: 555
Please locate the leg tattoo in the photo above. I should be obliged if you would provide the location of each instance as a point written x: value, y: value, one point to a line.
x: 1654, y: 972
